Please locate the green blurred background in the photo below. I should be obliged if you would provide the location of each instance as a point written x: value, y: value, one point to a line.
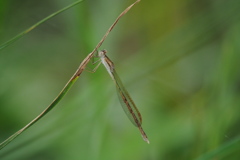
x: 179, y: 60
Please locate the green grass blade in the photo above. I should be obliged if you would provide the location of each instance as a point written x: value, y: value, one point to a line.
x: 37, y: 24
x: 73, y: 78
x: 62, y: 93
x: 55, y: 101
x: 221, y: 152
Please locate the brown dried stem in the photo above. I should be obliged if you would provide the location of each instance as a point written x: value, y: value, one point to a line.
x: 69, y: 83
x: 87, y: 59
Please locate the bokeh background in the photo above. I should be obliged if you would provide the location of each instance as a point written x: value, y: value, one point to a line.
x: 179, y: 60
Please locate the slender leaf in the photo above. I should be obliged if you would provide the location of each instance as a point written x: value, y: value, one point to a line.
x: 54, y: 103
x: 70, y: 82
x: 222, y: 151
x: 37, y: 24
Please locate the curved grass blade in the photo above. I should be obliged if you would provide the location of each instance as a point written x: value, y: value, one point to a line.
x: 223, y: 151
x: 55, y: 101
x: 37, y: 24
x: 70, y: 82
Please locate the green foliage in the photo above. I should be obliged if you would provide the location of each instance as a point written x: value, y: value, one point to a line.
x: 177, y: 59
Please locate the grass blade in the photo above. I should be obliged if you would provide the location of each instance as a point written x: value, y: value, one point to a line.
x: 37, y: 24
x: 70, y: 82
x: 225, y: 150
x: 55, y: 101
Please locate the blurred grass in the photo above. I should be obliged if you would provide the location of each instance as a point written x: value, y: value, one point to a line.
x: 44, y: 20
x: 178, y: 60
